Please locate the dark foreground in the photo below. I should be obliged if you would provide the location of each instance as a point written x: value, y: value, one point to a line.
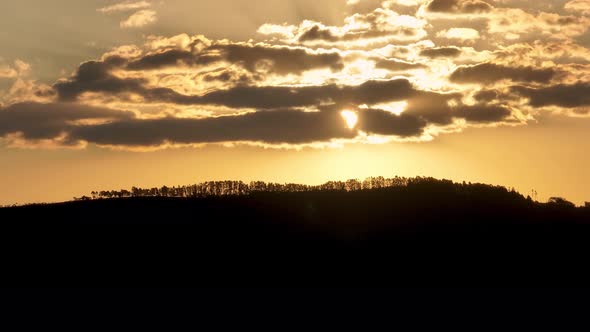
x: 398, y: 237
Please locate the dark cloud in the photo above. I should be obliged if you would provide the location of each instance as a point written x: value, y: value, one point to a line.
x: 489, y: 72
x: 433, y: 107
x: 441, y: 52
x: 442, y: 109
x: 273, y: 127
x: 371, y: 92
x: 486, y: 95
x: 264, y: 97
x: 229, y: 76
x: 48, y: 121
x: 483, y: 113
x: 317, y: 33
x: 278, y: 126
x: 569, y: 96
x: 172, y: 58
x: 105, y: 126
x: 280, y: 60
x: 95, y: 76
x: 459, y: 6
x: 375, y: 121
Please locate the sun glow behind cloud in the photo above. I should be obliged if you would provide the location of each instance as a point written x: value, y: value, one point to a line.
x: 351, y: 118
x: 396, y: 108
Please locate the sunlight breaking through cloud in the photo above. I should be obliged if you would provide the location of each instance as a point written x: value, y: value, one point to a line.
x: 403, y: 70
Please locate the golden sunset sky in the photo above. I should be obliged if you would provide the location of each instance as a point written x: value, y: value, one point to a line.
x: 105, y: 94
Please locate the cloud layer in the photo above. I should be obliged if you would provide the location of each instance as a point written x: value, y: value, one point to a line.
x: 407, y: 70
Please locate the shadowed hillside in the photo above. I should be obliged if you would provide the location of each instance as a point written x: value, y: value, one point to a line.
x: 421, y: 232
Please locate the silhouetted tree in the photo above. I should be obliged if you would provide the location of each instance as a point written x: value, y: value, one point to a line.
x: 561, y: 202
x: 424, y: 187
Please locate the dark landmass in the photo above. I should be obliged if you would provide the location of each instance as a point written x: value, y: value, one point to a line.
x: 424, y: 233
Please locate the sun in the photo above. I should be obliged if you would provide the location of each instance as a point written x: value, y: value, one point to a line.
x: 351, y: 118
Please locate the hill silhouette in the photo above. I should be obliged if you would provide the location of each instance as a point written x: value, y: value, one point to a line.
x: 420, y: 232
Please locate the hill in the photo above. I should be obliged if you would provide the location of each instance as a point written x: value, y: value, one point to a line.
x: 425, y: 233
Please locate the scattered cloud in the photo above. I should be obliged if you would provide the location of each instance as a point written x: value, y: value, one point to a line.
x: 380, y: 26
x: 143, y: 13
x: 441, y: 52
x: 16, y: 69
x: 140, y: 19
x: 578, y: 6
x: 125, y: 6
x: 404, y: 70
x: 490, y: 72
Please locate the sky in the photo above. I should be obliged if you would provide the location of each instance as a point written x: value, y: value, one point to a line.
x: 105, y: 94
